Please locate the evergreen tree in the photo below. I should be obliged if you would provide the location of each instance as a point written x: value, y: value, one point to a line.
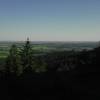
x: 13, y: 61
x: 27, y: 57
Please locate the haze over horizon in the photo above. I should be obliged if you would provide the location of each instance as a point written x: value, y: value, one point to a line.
x: 50, y: 20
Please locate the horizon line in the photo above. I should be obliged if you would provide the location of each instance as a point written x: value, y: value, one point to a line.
x: 50, y: 40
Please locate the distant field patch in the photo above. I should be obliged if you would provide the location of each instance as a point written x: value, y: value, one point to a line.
x: 3, y: 54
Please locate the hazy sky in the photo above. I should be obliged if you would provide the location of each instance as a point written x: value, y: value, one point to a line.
x: 52, y: 20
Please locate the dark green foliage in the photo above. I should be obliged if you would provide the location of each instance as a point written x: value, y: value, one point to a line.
x: 24, y: 60
x: 27, y: 57
x: 39, y: 65
x: 55, y: 75
x: 13, y: 63
x: 61, y: 61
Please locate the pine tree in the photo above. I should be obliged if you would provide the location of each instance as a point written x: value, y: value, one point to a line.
x: 13, y: 61
x: 27, y: 57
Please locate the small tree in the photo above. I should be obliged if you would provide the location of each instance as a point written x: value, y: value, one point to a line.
x: 13, y: 61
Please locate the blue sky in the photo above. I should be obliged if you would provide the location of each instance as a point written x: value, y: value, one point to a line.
x: 50, y: 20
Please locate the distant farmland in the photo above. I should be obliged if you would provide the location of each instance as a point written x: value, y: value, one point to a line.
x: 48, y: 46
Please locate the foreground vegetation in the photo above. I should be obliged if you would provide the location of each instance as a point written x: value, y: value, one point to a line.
x: 53, y: 75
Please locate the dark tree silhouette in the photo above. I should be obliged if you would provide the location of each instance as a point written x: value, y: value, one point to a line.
x: 27, y: 57
x: 13, y: 63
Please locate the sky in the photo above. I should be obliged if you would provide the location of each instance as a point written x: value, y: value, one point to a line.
x: 50, y: 20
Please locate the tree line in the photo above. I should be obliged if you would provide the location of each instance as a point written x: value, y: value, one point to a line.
x: 22, y: 60
x: 65, y: 73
